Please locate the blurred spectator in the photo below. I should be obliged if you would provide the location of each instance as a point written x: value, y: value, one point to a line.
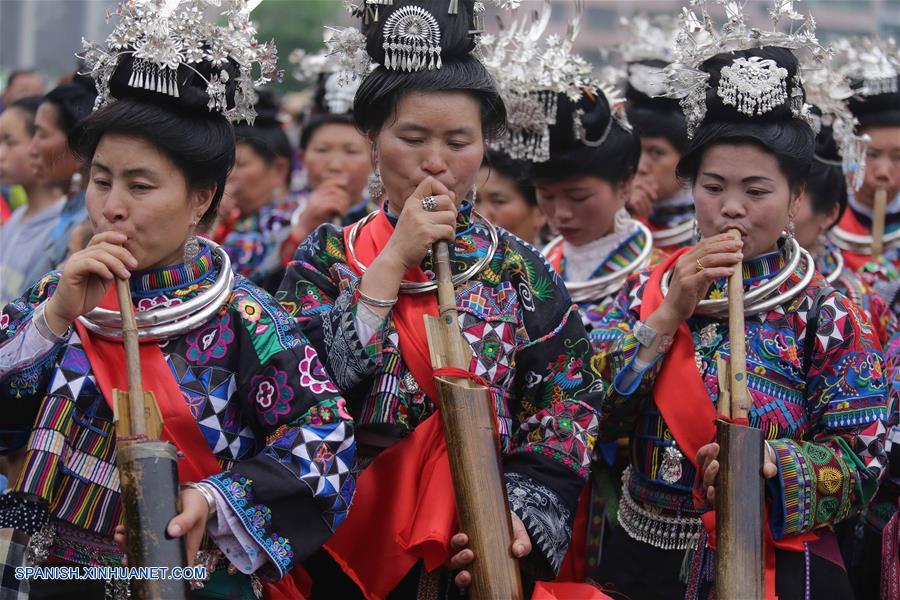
x: 506, y: 198
x: 25, y: 235
x: 20, y: 84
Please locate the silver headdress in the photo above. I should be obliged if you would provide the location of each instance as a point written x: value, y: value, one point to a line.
x: 412, y: 35
x: 753, y: 86
x: 650, y: 39
x: 829, y: 91
x: 341, y: 79
x: 872, y: 63
x: 531, y: 72
x: 163, y: 35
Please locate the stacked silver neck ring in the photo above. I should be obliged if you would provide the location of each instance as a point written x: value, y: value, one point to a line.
x: 862, y: 244
x: 763, y: 297
x: 598, y: 288
x: 165, y: 322
x: 422, y: 287
x: 674, y: 236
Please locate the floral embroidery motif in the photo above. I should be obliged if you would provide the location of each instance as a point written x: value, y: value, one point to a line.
x: 312, y: 374
x: 272, y: 394
x: 250, y: 310
x: 257, y: 518
x: 210, y: 342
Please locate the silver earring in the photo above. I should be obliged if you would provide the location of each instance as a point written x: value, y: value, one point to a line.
x: 622, y: 221
x: 697, y: 234
x: 191, y: 247
x: 375, y: 186
x: 790, y: 230
x: 473, y: 195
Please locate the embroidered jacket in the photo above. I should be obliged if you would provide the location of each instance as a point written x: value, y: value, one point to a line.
x: 823, y: 418
x: 886, y: 268
x: 615, y: 261
x: 254, y: 242
x: 667, y: 219
x: 262, y: 401
x: 527, y: 341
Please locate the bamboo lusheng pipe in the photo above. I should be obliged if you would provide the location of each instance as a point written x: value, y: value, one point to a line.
x: 137, y: 421
x: 878, y: 216
x: 148, y: 472
x: 473, y: 448
x: 740, y: 565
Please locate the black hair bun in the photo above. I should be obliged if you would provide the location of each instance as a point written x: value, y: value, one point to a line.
x: 594, y: 121
x: 876, y: 109
x: 192, y: 84
x: 826, y: 146
x: 717, y: 110
x: 646, y: 84
x: 456, y: 41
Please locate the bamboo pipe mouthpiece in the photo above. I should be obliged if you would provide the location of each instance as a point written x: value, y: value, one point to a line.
x: 138, y: 424
x: 878, y: 219
x: 740, y: 399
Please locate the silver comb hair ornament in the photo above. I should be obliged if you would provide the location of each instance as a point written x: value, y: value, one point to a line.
x: 412, y: 40
x: 162, y: 36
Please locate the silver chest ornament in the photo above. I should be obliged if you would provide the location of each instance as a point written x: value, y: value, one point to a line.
x: 670, y: 470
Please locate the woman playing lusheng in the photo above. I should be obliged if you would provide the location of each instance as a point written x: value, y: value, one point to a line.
x: 873, y: 68
x: 267, y: 446
x: 815, y: 369
x: 349, y: 290
x: 657, y: 196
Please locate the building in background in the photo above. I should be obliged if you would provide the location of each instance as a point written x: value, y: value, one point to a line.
x: 45, y: 34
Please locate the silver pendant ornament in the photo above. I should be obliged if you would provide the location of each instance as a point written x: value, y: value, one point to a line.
x: 753, y: 86
x: 412, y: 40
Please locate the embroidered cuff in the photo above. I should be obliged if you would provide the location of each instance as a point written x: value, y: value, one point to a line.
x: 227, y: 531
x: 634, y: 371
x: 545, y: 516
x: 43, y: 328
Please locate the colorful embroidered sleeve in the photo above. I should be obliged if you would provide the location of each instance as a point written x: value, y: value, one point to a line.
x: 616, y: 349
x: 292, y: 495
x: 23, y: 383
x: 830, y: 477
x: 319, y: 291
x: 254, y: 244
x: 549, y: 456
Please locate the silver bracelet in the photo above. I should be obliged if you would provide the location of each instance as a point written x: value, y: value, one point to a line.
x: 207, y: 495
x: 375, y: 302
x: 39, y: 318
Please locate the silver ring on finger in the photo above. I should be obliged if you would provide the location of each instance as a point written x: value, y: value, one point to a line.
x: 429, y: 204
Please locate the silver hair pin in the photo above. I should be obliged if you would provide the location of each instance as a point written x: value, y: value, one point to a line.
x: 412, y: 40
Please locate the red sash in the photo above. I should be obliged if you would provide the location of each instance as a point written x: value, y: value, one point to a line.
x: 555, y: 257
x: 851, y: 224
x: 180, y: 427
x: 403, y: 508
x: 684, y: 403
